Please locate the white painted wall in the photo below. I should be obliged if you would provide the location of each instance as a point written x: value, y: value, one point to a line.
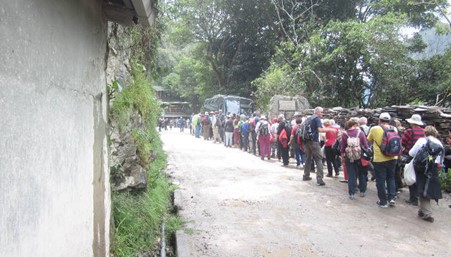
x: 54, y: 182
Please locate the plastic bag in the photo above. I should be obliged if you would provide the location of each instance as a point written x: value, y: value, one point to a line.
x: 409, y: 174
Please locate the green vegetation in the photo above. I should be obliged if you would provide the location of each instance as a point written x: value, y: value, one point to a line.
x: 334, y: 52
x: 445, y: 180
x: 139, y: 215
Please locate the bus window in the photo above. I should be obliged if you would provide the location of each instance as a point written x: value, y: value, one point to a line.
x: 233, y: 106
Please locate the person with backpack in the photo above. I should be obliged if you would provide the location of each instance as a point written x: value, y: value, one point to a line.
x: 222, y: 119
x: 312, y: 148
x: 283, y: 135
x: 252, y: 133
x: 196, y: 124
x: 264, y: 137
x: 353, y: 139
x: 386, y: 142
x: 216, y: 123
x: 273, y: 131
x: 228, y: 130
x: 294, y: 142
x: 428, y: 153
x: 245, y: 134
x: 408, y: 140
x: 206, y: 126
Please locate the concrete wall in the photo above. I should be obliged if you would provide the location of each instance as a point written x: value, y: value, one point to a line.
x: 54, y: 182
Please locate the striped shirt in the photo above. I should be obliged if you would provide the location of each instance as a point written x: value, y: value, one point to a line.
x: 410, y: 137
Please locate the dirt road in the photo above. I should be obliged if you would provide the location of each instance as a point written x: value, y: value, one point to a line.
x: 238, y: 205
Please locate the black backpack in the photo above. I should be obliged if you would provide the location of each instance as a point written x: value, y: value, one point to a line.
x: 305, y: 132
x: 264, y: 129
x: 288, y: 128
x: 427, y: 153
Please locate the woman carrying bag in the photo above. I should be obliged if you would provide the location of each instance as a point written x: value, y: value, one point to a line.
x: 428, y: 152
x: 353, y: 139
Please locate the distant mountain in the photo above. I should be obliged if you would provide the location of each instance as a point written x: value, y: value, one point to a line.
x: 436, y: 44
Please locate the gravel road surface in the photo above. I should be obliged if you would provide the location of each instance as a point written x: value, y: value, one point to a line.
x: 235, y: 204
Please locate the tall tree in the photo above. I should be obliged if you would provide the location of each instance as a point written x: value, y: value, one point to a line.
x: 236, y: 38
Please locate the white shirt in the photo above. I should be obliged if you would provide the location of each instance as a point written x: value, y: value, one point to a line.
x: 260, y: 122
x: 421, y: 142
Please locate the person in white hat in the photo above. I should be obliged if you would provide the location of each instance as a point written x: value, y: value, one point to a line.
x: 384, y: 166
x: 409, y: 138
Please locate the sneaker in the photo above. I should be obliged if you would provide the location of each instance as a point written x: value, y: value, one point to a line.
x: 262, y: 158
x: 321, y: 183
x: 301, y: 166
x: 304, y: 178
x: 329, y: 175
x: 382, y: 205
x: 344, y: 181
x: 392, y: 203
x: 352, y: 197
x: 298, y: 166
x: 362, y: 194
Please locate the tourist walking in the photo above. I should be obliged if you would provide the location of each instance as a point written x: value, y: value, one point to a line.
x: 312, y: 147
x: 296, y: 145
x: 431, y: 150
x: 228, y: 128
x: 353, y: 139
x: 264, y: 137
x: 409, y: 138
x: 273, y: 130
x: 384, y: 166
x: 283, y: 135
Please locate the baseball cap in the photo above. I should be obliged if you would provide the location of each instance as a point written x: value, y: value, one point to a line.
x: 385, y: 116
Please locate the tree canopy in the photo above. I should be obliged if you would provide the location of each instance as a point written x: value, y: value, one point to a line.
x: 334, y: 52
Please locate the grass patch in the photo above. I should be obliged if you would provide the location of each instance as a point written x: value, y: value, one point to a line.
x: 138, y: 216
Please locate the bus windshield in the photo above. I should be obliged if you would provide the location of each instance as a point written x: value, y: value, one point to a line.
x: 229, y: 104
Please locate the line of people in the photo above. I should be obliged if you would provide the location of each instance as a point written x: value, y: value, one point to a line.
x: 340, y: 147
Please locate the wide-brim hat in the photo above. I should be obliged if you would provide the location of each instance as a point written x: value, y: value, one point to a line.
x: 415, y: 119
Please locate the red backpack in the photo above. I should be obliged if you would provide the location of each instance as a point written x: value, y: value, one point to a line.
x: 206, y: 120
x: 283, y: 138
x: 391, y: 142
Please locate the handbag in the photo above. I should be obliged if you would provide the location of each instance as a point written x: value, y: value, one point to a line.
x: 364, y: 162
x: 367, y: 153
x: 409, y: 174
